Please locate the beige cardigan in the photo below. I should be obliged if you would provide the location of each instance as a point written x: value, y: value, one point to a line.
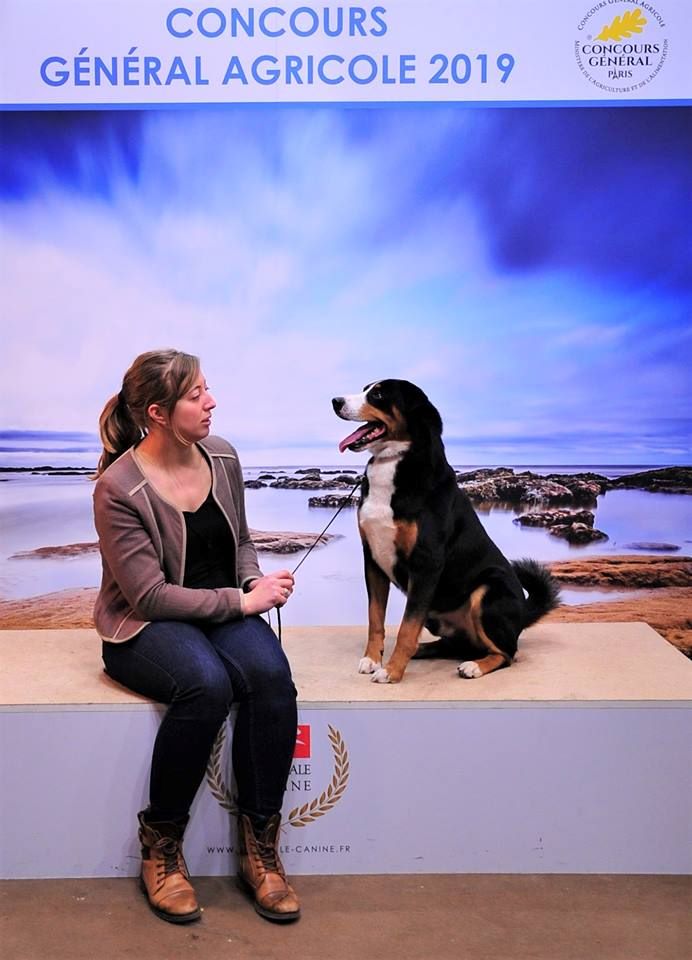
x: 142, y: 538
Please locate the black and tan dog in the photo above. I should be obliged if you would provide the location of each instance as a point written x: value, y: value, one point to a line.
x: 420, y: 532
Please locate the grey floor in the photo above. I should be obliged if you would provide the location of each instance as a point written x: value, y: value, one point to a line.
x: 361, y: 918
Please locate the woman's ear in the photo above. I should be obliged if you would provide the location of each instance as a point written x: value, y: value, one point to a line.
x: 157, y: 415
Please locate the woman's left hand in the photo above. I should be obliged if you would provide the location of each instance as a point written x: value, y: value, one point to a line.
x: 278, y: 584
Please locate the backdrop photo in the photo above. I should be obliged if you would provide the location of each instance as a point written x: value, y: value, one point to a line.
x: 528, y: 267
x: 312, y: 199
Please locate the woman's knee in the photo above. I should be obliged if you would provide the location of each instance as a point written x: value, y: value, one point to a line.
x: 209, y: 688
x: 255, y: 658
x: 269, y: 679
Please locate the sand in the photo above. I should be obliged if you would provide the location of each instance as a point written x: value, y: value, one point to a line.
x: 667, y: 608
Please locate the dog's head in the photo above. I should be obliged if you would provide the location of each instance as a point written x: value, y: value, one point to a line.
x: 393, y: 411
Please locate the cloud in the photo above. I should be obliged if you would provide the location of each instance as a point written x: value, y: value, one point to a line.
x: 303, y: 253
x: 601, y: 190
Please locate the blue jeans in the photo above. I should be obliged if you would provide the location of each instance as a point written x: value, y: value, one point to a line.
x: 200, y: 670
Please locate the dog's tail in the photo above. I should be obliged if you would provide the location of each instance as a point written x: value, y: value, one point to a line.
x: 542, y: 588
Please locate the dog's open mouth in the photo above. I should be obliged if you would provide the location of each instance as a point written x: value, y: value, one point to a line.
x: 361, y: 437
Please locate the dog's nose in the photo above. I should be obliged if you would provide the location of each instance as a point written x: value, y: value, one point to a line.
x: 338, y: 403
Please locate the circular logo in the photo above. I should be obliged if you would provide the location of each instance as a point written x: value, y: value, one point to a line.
x: 621, y: 46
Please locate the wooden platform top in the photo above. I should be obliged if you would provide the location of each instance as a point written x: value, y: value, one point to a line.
x: 557, y: 663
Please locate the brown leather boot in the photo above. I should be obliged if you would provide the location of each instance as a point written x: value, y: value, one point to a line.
x: 165, y: 879
x: 261, y: 871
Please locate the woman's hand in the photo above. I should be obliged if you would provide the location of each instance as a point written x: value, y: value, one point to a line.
x: 273, y: 590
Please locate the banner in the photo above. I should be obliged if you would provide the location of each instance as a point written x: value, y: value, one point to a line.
x: 377, y: 791
x: 132, y: 53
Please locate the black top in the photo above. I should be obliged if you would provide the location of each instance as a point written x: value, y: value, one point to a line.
x: 210, y: 554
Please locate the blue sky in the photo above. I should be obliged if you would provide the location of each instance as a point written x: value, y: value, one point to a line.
x: 529, y: 268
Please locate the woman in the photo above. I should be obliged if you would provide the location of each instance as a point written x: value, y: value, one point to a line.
x: 178, y: 613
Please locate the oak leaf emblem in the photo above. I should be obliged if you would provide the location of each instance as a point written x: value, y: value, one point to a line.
x: 632, y: 21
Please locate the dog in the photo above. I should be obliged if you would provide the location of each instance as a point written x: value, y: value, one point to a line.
x: 420, y: 532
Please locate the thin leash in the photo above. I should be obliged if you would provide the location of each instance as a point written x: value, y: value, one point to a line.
x: 317, y: 539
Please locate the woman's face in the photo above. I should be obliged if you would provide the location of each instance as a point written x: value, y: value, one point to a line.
x: 191, y: 418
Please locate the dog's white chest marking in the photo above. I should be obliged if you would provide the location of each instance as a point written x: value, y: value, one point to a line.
x: 376, y: 518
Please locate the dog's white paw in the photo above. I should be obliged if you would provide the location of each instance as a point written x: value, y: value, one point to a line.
x: 469, y: 670
x: 367, y: 665
x: 380, y: 676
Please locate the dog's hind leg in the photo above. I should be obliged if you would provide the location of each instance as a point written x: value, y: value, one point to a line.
x: 494, y: 614
x: 377, y: 584
x: 472, y: 669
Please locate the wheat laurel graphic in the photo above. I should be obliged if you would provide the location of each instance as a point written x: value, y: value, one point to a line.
x: 215, y: 779
x: 300, y: 816
x: 632, y: 21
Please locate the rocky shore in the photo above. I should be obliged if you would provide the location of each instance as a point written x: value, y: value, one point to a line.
x: 625, y: 572
x: 52, y: 471
x: 486, y: 485
x: 313, y: 480
x: 503, y: 484
x: 665, y: 480
x: 560, y: 501
x: 285, y: 541
x: 334, y: 501
x: 60, y: 610
x: 280, y: 541
x: 489, y: 484
x: 573, y: 527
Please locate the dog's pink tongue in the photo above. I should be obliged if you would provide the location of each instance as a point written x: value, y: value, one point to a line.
x: 352, y: 437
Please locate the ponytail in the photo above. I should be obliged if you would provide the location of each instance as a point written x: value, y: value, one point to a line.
x: 118, y: 431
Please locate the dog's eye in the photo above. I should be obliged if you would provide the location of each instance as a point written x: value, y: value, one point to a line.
x: 375, y: 394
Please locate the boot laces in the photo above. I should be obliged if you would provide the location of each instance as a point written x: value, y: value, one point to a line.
x: 171, y: 860
x: 268, y: 854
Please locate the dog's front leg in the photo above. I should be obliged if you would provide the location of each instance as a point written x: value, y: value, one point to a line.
x: 416, y: 612
x: 377, y: 584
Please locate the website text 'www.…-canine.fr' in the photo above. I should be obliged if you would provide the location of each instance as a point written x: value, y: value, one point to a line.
x: 420, y: 532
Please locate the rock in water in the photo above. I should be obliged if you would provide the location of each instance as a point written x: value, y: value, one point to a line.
x: 665, y: 480
x: 334, y: 501
x: 643, y: 545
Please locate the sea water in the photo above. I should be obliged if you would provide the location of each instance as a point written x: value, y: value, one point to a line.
x: 39, y: 510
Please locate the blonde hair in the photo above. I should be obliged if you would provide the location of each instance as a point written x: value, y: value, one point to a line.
x: 158, y: 376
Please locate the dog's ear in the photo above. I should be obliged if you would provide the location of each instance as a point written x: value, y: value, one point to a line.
x: 419, y: 411
x: 431, y: 417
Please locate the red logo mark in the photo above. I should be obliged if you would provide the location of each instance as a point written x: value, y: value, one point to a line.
x: 302, y: 750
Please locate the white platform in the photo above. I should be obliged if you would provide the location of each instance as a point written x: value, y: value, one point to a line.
x: 577, y: 759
